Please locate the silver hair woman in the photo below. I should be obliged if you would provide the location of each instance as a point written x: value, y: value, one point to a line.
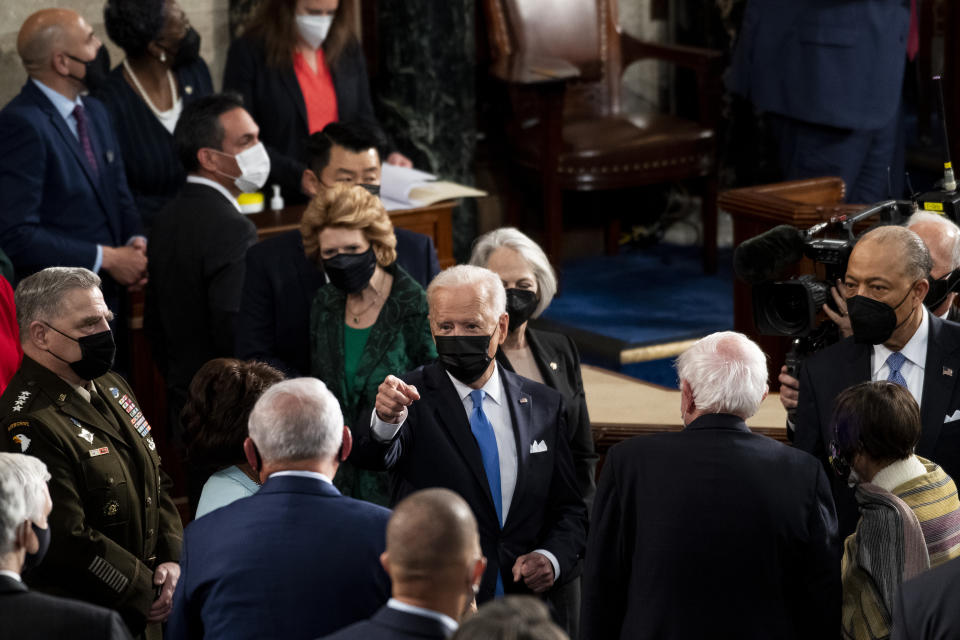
x: 544, y: 356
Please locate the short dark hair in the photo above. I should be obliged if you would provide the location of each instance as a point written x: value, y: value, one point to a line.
x: 133, y: 24
x: 219, y: 402
x: 880, y: 419
x: 199, y: 126
x: 352, y: 136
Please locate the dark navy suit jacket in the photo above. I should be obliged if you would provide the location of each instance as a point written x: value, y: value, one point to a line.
x: 54, y: 209
x: 826, y: 374
x: 712, y: 532
x: 273, y: 325
x: 823, y: 61
x: 295, y: 560
x: 928, y: 607
x: 435, y: 448
x: 392, y: 624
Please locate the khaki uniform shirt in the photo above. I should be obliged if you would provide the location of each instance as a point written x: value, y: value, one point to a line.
x: 113, y: 521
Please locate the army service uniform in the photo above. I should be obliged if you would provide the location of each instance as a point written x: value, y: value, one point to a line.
x: 113, y: 521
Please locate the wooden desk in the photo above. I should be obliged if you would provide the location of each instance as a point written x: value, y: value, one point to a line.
x: 435, y: 220
x: 622, y: 407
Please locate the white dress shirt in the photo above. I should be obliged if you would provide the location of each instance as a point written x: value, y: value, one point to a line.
x: 11, y: 574
x: 215, y: 185
x: 301, y: 474
x: 498, y: 413
x: 915, y: 352
x: 449, y: 623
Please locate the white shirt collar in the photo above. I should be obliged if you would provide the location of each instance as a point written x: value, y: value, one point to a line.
x: 301, y: 474
x: 915, y: 350
x: 444, y: 619
x: 62, y: 103
x: 492, y: 387
x: 899, y: 472
x: 946, y: 314
x: 11, y: 574
x: 216, y: 185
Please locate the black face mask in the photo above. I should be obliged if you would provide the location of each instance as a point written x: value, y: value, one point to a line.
x: 33, y: 559
x: 464, y: 357
x: 94, y: 74
x: 96, y: 354
x: 521, y: 303
x: 188, y: 49
x: 941, y: 288
x: 372, y: 188
x: 351, y: 272
x: 872, y: 321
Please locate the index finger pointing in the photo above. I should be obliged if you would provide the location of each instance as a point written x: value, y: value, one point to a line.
x: 409, y: 391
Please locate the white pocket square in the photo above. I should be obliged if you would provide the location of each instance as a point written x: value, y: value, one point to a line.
x: 541, y: 447
x: 952, y: 418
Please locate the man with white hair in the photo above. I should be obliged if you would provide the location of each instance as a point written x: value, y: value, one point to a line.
x: 713, y: 531
x: 24, y: 537
x: 297, y: 559
x: 496, y: 438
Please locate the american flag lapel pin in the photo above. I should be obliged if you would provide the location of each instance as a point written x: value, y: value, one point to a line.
x: 947, y: 371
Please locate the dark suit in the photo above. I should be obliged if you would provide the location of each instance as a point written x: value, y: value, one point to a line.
x: 836, y: 67
x: 55, y: 208
x: 274, y: 99
x: 435, y: 448
x: 711, y: 532
x: 197, y: 261
x: 295, y: 560
x: 274, y: 321
x: 391, y: 624
x: 928, y: 607
x: 27, y: 614
x: 826, y: 374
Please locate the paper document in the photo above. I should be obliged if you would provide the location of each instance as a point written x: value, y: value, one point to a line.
x: 402, y: 188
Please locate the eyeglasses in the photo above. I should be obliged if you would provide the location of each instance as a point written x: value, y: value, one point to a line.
x: 839, y: 463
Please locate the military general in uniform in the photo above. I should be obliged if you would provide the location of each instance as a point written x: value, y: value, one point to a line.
x: 115, y: 532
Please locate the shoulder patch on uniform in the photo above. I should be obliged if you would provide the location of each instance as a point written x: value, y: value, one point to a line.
x: 19, y: 423
x: 23, y: 441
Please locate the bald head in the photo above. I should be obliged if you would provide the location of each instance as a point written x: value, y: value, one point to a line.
x: 942, y: 237
x: 899, y: 248
x: 44, y: 32
x: 430, y: 531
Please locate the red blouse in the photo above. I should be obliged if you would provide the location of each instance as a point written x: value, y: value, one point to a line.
x: 318, y: 92
x: 10, y: 352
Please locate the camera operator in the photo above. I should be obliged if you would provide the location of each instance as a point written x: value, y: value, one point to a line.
x: 894, y: 338
x: 942, y: 237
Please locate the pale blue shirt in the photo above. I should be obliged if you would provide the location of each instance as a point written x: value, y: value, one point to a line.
x: 225, y: 486
x: 915, y: 352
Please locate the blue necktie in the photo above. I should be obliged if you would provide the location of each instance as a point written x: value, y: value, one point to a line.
x: 487, y: 441
x: 895, y: 361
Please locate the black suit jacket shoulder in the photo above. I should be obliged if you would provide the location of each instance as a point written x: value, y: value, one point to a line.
x: 714, y: 520
x: 274, y: 99
x: 27, y: 614
x: 197, y: 261
x: 435, y: 448
x: 824, y: 375
x: 392, y: 624
x: 559, y: 364
x: 928, y: 607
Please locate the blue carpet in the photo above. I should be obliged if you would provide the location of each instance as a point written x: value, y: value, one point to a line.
x: 641, y: 297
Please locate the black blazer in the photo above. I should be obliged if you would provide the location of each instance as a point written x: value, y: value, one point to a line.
x: 711, y: 532
x: 197, y: 261
x: 274, y: 99
x: 826, y: 374
x: 559, y: 364
x: 28, y: 614
x: 154, y: 171
x: 392, y: 624
x: 435, y: 448
x: 274, y: 321
x: 928, y: 607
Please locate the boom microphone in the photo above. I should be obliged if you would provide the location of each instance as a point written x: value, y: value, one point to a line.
x: 764, y: 257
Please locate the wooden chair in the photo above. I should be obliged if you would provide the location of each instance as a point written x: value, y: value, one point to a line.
x: 561, y: 62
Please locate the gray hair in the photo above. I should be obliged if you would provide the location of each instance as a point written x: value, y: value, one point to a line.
x: 727, y: 373
x: 40, y: 296
x: 510, y: 238
x: 481, y: 278
x: 946, y: 225
x: 298, y: 419
x: 917, y: 262
x: 23, y: 494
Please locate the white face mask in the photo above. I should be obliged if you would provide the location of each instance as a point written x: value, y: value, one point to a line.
x: 254, y: 164
x: 314, y: 29
x: 853, y: 479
